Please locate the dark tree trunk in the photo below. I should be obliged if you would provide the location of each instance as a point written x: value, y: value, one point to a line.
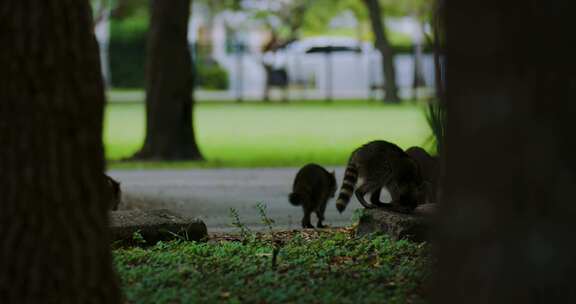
x: 385, y: 49
x: 508, y: 216
x: 54, y: 237
x: 169, y: 85
x: 438, y: 49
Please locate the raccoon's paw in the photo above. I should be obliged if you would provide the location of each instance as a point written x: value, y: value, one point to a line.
x: 340, y: 206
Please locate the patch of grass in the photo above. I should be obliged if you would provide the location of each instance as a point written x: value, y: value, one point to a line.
x: 329, y: 268
x: 397, y: 39
x: 260, y: 135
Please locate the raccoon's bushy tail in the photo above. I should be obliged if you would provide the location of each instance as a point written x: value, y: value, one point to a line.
x: 297, y: 199
x: 350, y: 178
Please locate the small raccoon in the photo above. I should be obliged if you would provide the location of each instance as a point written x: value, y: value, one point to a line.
x: 114, y: 187
x: 429, y: 169
x: 379, y: 164
x: 313, y: 187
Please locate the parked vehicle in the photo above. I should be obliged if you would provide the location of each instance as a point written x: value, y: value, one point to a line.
x: 325, y: 62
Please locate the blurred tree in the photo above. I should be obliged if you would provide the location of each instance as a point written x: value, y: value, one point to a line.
x: 507, y: 218
x: 120, y: 9
x: 169, y: 85
x: 421, y: 10
x: 54, y: 243
x: 374, y: 11
x: 284, y: 20
x: 383, y: 45
x: 213, y: 7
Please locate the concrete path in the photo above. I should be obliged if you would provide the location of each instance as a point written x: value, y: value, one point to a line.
x: 210, y: 193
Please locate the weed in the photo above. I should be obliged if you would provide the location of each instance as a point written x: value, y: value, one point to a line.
x: 276, y: 242
x: 245, y: 233
x: 137, y: 238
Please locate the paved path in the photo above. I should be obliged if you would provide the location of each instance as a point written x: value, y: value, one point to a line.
x: 210, y: 193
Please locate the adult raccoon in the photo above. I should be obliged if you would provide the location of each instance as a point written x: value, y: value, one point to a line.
x: 429, y: 169
x: 379, y: 164
x: 116, y: 193
x: 312, y: 188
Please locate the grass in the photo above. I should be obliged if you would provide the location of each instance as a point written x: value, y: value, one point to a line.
x: 328, y: 268
x: 396, y: 39
x: 258, y: 135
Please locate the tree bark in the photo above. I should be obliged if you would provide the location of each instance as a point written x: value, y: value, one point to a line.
x: 438, y: 45
x: 508, y: 214
x: 383, y: 45
x: 54, y: 237
x: 169, y: 85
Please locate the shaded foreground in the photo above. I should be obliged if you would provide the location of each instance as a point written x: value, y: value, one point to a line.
x: 313, y: 266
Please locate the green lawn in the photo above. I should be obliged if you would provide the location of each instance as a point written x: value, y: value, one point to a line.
x: 251, y: 135
x: 329, y: 268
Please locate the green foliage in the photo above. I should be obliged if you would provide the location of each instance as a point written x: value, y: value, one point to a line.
x: 251, y: 135
x: 211, y: 76
x: 245, y: 232
x: 137, y: 238
x: 130, y: 28
x: 127, y: 50
x: 436, y: 118
x: 266, y: 221
x: 127, y: 59
x: 418, y: 8
x: 331, y: 268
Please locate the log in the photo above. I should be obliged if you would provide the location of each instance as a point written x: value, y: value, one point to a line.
x: 154, y: 225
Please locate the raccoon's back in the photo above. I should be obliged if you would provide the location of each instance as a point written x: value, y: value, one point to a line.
x: 313, y: 181
x: 310, y: 176
x: 377, y: 158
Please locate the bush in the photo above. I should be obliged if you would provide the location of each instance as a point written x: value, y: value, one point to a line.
x: 127, y: 60
x: 211, y: 76
x: 127, y: 51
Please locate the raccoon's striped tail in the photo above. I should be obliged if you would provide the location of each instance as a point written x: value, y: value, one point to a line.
x: 297, y: 199
x: 350, y: 178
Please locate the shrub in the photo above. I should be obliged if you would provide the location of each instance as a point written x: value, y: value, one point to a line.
x: 127, y: 51
x: 211, y: 76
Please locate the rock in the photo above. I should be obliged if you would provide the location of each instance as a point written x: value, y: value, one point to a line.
x: 154, y: 226
x: 414, y: 227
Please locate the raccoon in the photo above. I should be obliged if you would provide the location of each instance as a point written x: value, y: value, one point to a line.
x: 379, y: 164
x: 312, y: 188
x: 429, y: 169
x: 114, y: 187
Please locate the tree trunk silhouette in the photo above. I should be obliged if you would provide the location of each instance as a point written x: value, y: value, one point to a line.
x: 508, y: 213
x: 438, y: 44
x: 169, y: 85
x: 383, y: 45
x: 54, y: 237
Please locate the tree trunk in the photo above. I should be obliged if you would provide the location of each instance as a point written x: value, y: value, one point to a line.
x: 54, y: 237
x: 169, y: 85
x: 508, y: 215
x: 385, y: 49
x: 438, y: 45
